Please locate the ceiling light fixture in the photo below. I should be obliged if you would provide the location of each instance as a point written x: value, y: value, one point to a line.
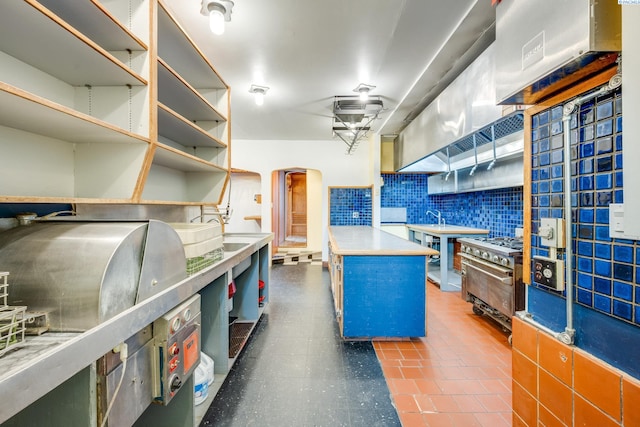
x: 363, y: 90
x: 259, y: 92
x: 219, y: 12
x: 352, y: 118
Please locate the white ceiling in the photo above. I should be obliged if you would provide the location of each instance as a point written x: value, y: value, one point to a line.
x: 308, y: 51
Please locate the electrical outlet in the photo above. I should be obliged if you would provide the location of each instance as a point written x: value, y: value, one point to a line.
x: 548, y: 272
x: 616, y: 220
x: 355, y: 214
x: 551, y: 232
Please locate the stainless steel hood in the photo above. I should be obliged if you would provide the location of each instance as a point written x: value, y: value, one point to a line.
x: 541, y: 44
x: 477, y: 147
x: 467, y: 105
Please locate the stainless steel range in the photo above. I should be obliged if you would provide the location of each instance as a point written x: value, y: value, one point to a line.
x: 492, y: 276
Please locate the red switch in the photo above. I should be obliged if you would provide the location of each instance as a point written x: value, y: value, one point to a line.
x: 173, y: 364
x: 174, y: 349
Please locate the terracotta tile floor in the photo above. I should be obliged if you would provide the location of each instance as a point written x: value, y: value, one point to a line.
x: 459, y: 375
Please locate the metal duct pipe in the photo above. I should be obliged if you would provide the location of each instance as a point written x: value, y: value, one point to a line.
x: 446, y: 178
x: 493, y: 139
x: 475, y: 153
x: 574, y: 105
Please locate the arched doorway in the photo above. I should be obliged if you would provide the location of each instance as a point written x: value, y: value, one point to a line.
x: 297, y: 208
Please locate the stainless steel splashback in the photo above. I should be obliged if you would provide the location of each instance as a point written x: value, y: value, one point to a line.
x: 467, y: 104
x: 539, y: 44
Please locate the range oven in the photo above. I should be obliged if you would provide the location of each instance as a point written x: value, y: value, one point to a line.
x: 491, y: 270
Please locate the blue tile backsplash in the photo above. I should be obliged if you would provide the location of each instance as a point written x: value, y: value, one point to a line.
x: 350, y: 206
x: 406, y: 191
x: 500, y: 211
x: 606, y: 272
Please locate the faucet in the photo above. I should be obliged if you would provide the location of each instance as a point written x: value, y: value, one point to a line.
x: 438, y: 215
x: 219, y: 217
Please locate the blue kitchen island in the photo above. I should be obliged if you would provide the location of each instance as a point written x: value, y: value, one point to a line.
x: 378, y: 282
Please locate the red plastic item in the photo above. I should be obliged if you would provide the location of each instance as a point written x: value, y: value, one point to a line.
x: 260, y: 284
x: 232, y: 288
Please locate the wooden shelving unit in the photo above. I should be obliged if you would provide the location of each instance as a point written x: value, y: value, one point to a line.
x: 112, y: 108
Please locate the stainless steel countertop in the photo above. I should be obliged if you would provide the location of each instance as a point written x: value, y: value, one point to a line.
x: 364, y: 240
x: 437, y: 230
x: 25, y: 380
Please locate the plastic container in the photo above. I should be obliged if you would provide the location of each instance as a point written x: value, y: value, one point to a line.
x: 208, y: 365
x: 201, y: 384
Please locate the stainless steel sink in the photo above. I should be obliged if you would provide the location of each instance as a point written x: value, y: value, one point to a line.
x: 234, y: 246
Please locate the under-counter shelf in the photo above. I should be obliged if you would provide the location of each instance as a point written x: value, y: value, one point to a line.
x: 178, y: 94
x: 175, y: 127
x: 51, y: 45
x: 98, y: 23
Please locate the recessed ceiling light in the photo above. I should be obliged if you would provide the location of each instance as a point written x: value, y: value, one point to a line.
x: 219, y: 12
x: 259, y: 92
x: 363, y: 90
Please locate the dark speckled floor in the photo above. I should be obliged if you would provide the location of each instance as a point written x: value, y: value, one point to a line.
x: 296, y: 370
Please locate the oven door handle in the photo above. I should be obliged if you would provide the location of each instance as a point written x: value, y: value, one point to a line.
x: 505, y: 280
x: 496, y: 267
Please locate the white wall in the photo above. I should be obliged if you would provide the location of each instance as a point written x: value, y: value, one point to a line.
x: 329, y: 158
x: 314, y: 210
x: 244, y: 187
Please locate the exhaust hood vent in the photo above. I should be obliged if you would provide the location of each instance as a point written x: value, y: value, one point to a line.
x: 541, y: 44
x: 507, y: 132
x: 466, y: 106
x: 495, y: 131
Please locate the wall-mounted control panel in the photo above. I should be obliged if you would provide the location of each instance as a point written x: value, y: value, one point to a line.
x: 551, y: 232
x: 548, y: 272
x: 177, y: 348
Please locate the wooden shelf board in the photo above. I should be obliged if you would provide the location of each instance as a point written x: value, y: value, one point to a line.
x: 176, y: 159
x: 175, y: 127
x: 69, y: 200
x: 180, y: 96
x: 178, y: 50
x: 25, y: 111
x: 95, y: 21
x: 175, y: 202
x: 48, y: 43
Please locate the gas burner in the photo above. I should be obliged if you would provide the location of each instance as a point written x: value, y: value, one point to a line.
x: 505, y: 242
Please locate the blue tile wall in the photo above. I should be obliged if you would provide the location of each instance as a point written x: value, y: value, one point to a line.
x: 497, y: 210
x: 10, y: 210
x: 406, y: 191
x: 606, y: 270
x: 500, y: 211
x: 343, y: 202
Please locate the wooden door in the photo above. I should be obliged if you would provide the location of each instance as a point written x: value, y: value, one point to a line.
x: 296, y: 206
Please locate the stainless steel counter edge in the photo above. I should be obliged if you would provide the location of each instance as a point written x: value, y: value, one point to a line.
x: 452, y: 230
x: 371, y: 241
x: 21, y: 387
